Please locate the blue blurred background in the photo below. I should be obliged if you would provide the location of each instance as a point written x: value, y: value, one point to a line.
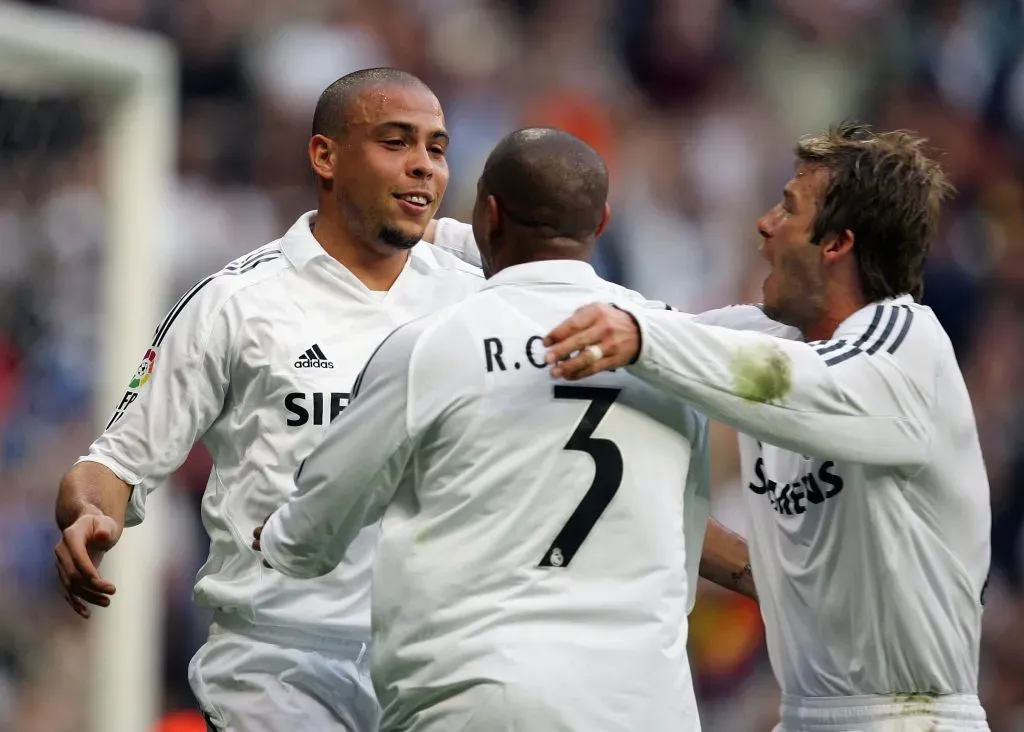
x: 694, y: 103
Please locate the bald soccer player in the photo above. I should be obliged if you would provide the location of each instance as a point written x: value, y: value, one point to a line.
x: 536, y: 567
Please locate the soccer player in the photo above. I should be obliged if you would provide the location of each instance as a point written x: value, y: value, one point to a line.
x: 867, y: 492
x: 536, y: 565
x: 255, y: 361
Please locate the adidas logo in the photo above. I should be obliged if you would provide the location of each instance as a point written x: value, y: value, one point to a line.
x: 313, y: 358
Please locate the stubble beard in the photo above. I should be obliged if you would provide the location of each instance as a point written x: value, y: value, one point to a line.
x: 397, y: 239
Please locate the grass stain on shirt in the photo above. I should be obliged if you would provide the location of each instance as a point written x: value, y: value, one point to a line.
x: 762, y: 374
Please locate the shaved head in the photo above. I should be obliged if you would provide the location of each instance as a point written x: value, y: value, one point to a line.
x: 331, y: 116
x: 548, y: 180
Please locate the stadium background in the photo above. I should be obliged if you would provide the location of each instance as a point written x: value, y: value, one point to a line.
x: 695, y: 104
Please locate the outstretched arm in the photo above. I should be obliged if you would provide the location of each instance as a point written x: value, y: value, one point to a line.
x: 175, y: 394
x: 836, y: 399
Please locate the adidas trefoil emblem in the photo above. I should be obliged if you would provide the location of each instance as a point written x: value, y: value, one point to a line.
x: 313, y: 358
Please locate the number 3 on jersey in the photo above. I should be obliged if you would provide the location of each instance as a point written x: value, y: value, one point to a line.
x: 607, y: 472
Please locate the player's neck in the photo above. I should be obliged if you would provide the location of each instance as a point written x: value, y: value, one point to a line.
x: 837, y: 309
x: 377, y: 267
x: 524, y: 252
x: 842, y: 297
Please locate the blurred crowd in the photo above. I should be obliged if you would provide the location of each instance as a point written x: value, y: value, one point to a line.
x: 694, y: 103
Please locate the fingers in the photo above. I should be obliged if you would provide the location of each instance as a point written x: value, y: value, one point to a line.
x: 568, y: 332
x: 76, y: 604
x: 580, y: 367
x: 74, y: 557
x: 613, y: 331
x: 91, y: 596
x: 78, y: 590
x: 256, y: 534
x: 75, y: 545
x: 582, y: 364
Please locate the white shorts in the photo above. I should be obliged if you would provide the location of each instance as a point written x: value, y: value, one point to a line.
x: 254, y: 680
x: 480, y: 707
x: 897, y: 713
x: 495, y: 707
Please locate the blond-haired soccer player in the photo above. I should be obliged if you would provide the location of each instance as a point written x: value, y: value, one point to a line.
x: 867, y: 492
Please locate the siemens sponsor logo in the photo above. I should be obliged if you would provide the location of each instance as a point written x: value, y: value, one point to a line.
x: 793, y: 498
x: 304, y: 408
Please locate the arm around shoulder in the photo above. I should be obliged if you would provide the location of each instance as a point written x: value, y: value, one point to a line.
x: 835, y: 399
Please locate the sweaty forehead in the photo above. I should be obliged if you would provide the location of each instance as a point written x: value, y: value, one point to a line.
x: 395, y: 103
x: 809, y: 181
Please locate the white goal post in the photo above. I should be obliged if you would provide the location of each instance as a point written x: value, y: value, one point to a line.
x: 40, y: 51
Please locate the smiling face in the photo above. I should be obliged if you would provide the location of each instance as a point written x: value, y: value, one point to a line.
x: 387, y: 169
x: 794, y: 291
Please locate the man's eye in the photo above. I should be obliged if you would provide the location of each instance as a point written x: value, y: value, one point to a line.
x: 394, y: 143
x: 437, y: 150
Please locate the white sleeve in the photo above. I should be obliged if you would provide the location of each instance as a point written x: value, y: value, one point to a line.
x: 351, y: 476
x: 174, y: 396
x: 635, y: 298
x: 747, y: 317
x: 457, y: 239
x: 870, y: 408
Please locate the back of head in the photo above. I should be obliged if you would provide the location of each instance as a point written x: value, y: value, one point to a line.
x: 549, y: 183
x: 884, y: 189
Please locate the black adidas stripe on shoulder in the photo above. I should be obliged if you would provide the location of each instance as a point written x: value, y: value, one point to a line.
x: 254, y: 255
x: 903, y: 331
x: 889, y: 325
x: 235, y: 268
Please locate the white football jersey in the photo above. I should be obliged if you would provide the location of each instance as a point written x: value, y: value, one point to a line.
x: 869, y: 500
x: 533, y: 530
x: 256, y: 361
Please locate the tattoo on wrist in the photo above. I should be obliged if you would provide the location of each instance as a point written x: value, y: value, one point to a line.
x: 737, y: 577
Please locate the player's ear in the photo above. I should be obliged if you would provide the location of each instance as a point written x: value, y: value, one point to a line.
x: 605, y: 218
x: 494, y: 215
x: 836, y: 246
x: 321, y: 153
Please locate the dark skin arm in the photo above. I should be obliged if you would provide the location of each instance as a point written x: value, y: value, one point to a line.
x: 726, y: 560
x: 90, y: 513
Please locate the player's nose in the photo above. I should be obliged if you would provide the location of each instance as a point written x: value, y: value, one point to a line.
x: 419, y: 163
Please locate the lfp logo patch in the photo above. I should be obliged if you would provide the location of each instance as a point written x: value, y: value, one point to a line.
x: 144, y: 371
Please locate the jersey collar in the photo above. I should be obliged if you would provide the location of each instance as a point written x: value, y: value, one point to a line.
x: 301, y: 247
x: 299, y: 244
x: 869, y: 309
x: 553, y: 271
x: 868, y: 319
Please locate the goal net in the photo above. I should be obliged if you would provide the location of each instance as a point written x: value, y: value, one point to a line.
x: 87, y: 135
